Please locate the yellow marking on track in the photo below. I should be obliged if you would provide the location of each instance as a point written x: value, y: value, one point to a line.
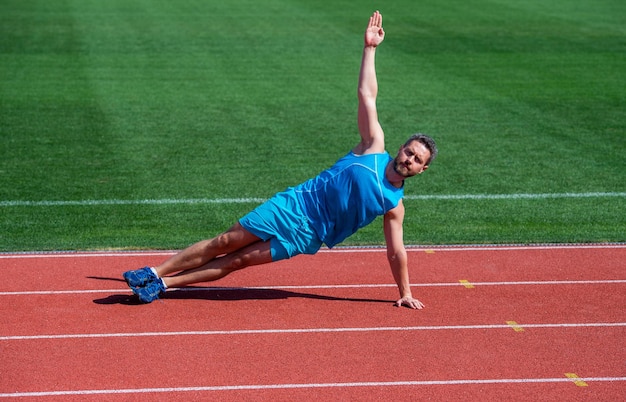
x: 429, y: 251
x: 516, y: 327
x: 577, y: 380
x: 466, y: 283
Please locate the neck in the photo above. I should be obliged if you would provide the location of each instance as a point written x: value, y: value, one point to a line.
x: 393, y: 177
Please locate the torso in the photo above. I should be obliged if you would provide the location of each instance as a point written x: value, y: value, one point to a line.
x: 348, y: 196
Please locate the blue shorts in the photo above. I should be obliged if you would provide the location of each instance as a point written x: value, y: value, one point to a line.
x: 281, y: 221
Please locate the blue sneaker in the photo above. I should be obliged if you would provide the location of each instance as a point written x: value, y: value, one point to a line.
x: 151, y: 291
x: 139, y: 277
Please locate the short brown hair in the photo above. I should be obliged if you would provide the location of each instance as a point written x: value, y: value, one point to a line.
x: 428, y: 142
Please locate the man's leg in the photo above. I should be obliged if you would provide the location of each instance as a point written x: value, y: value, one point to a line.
x: 199, y: 254
x: 205, y: 261
x: 254, y: 254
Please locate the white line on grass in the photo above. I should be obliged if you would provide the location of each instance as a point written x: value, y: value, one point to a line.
x: 307, y: 331
x: 515, y: 196
x: 261, y: 387
x: 167, y: 201
x: 256, y: 200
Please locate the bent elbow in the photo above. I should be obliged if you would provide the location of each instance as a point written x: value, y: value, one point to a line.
x: 366, y: 95
x: 398, y: 255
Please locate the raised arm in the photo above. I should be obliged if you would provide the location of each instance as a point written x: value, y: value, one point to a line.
x: 372, y: 136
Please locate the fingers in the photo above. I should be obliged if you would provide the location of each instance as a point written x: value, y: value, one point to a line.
x: 376, y: 20
x: 410, y: 303
x: 415, y: 305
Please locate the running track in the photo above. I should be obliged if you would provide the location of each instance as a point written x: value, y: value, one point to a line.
x: 500, y: 323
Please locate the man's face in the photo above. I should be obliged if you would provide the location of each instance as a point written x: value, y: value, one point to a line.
x: 411, y: 159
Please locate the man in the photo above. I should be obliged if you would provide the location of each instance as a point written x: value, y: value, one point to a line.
x: 362, y: 185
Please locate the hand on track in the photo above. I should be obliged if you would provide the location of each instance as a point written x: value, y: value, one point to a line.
x: 410, y: 303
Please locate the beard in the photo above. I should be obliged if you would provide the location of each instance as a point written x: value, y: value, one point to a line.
x: 401, y: 169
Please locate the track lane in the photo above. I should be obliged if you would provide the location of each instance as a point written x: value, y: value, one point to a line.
x: 230, y: 309
x: 103, y: 271
x: 261, y: 359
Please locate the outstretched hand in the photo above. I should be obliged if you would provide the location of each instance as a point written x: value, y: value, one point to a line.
x: 374, y: 34
x: 410, y: 303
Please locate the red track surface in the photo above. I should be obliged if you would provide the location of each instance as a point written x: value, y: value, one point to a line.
x: 321, y: 327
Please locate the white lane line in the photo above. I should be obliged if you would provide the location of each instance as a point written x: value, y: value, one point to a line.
x: 305, y: 287
x: 114, y: 254
x: 308, y: 331
x: 260, y: 387
x: 340, y: 249
x: 481, y: 247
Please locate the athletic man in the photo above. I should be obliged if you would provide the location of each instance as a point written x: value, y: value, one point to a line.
x: 362, y: 185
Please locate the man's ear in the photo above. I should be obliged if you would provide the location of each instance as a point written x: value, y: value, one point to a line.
x: 425, y: 167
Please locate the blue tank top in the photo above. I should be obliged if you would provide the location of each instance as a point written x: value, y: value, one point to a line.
x: 348, y: 196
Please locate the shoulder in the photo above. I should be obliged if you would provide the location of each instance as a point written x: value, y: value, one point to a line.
x: 368, y: 155
x: 375, y: 145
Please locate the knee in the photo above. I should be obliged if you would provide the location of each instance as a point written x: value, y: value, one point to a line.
x: 222, y: 242
x: 239, y: 262
x: 229, y: 241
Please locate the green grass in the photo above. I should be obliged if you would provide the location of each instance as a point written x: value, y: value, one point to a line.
x: 148, y: 99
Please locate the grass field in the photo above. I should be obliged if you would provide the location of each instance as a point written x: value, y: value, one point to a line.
x: 106, y: 104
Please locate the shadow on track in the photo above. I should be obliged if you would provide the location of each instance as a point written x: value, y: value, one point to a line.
x: 226, y: 294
